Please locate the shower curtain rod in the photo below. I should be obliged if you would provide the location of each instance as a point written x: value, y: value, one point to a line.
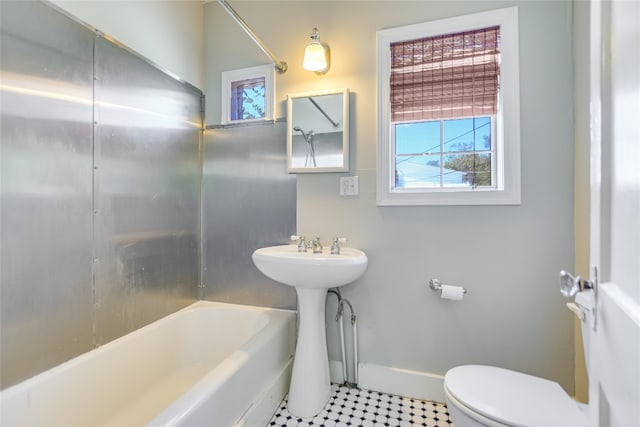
x: 281, y: 66
x: 324, y: 113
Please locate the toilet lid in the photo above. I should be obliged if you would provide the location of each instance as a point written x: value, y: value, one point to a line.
x: 513, y: 398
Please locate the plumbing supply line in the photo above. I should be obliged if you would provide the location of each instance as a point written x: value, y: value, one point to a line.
x: 311, y: 149
x: 281, y: 66
x: 354, y: 327
x: 344, y: 352
x: 355, y: 351
x: 336, y: 292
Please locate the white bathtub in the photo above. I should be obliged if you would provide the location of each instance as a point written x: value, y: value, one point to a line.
x: 210, y: 364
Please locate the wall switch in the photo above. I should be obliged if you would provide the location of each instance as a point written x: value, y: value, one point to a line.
x: 349, y: 186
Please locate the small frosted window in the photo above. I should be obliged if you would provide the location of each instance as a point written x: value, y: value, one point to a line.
x: 247, y: 101
x: 248, y: 94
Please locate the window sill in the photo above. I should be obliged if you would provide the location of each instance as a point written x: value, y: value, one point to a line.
x: 449, y: 197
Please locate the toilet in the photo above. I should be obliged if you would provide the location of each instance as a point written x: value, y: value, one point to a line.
x: 479, y: 395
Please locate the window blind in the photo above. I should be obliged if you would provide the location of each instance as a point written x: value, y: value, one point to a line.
x: 453, y: 75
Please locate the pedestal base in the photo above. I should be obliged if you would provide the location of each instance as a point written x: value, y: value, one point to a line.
x: 310, y: 382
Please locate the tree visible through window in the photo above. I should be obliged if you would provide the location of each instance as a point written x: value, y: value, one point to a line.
x: 248, y: 99
x: 449, y: 111
x: 444, y: 96
x: 444, y: 153
x: 248, y: 94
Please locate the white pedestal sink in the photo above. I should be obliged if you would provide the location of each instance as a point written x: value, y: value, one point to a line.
x: 312, y: 275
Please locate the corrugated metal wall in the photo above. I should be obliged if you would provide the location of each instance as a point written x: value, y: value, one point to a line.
x: 147, y: 192
x: 249, y: 202
x: 46, y: 221
x: 100, y: 191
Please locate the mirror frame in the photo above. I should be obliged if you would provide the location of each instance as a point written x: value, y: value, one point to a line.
x: 344, y: 120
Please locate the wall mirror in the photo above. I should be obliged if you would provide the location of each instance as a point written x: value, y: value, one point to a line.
x: 318, y: 131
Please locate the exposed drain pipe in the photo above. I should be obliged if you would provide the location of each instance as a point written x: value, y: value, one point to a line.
x: 281, y: 66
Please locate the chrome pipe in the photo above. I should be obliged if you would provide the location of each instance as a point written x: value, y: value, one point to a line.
x: 355, y: 351
x: 354, y: 330
x: 324, y: 113
x: 344, y: 352
x: 336, y: 292
x: 281, y: 66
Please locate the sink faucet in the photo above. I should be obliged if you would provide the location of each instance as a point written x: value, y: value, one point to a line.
x: 317, y: 246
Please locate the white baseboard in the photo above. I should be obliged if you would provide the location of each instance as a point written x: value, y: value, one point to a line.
x: 335, y: 371
x: 401, y: 382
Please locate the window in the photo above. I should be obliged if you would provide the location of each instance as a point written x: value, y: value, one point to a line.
x: 248, y: 94
x: 455, y: 153
x: 448, y: 106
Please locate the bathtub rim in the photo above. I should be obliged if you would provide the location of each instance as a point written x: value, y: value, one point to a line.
x: 17, y: 392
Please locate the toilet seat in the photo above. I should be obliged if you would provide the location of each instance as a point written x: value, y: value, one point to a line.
x: 511, y: 398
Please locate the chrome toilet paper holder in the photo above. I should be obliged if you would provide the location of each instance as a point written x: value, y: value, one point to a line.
x: 436, y: 285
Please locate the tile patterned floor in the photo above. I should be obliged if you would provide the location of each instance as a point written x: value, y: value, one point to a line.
x: 354, y: 407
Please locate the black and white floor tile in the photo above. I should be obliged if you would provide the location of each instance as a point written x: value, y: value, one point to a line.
x: 354, y: 407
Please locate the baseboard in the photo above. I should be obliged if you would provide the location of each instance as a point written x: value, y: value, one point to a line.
x: 401, y: 382
x: 335, y: 372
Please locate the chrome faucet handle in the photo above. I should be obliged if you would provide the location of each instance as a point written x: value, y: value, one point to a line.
x: 335, y: 247
x: 302, y: 244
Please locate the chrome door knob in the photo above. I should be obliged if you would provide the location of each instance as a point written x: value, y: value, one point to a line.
x: 569, y: 285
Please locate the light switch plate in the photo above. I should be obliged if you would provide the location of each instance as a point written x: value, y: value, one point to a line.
x: 349, y: 186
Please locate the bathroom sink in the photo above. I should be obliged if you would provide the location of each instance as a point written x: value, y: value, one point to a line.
x: 307, y: 270
x: 312, y: 275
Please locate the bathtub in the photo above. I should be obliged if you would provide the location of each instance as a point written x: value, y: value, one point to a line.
x: 210, y: 364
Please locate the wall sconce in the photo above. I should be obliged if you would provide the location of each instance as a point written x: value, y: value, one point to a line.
x: 317, y: 55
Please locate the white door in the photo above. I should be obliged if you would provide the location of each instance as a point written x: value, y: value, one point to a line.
x: 614, y: 374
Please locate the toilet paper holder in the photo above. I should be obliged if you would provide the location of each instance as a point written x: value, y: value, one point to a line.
x: 436, y: 285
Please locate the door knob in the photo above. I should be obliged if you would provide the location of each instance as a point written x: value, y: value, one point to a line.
x: 569, y: 285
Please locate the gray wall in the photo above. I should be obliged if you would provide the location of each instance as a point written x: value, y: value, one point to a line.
x: 169, y: 33
x: 507, y: 256
x: 249, y: 201
x: 100, y: 191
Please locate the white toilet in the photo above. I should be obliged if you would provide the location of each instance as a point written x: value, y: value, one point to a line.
x: 488, y: 396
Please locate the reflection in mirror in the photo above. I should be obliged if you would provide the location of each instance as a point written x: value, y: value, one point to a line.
x: 318, y: 131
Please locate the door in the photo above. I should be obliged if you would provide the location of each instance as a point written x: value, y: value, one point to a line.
x: 614, y: 372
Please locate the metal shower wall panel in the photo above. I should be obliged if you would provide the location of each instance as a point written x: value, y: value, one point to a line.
x: 250, y: 202
x: 147, y: 192
x: 46, y: 192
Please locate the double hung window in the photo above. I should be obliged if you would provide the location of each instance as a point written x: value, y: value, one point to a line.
x: 448, y: 112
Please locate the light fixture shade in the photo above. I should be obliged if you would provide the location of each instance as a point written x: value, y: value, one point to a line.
x: 315, y: 57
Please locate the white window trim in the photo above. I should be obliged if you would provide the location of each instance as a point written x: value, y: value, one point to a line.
x: 507, y: 191
x: 229, y: 77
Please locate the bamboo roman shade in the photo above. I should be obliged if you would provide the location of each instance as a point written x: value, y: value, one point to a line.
x: 453, y: 75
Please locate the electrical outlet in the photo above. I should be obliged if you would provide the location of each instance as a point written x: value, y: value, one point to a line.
x: 349, y: 186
